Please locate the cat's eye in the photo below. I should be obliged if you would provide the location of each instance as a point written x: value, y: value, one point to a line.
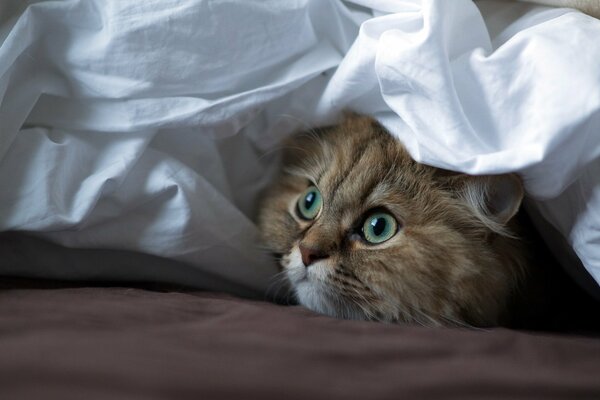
x: 310, y: 203
x: 379, y: 227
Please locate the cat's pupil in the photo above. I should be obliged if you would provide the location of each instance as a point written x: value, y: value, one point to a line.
x: 309, y: 200
x: 378, y: 225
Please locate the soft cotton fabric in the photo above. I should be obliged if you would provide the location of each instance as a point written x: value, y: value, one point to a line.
x: 123, y: 343
x: 152, y: 125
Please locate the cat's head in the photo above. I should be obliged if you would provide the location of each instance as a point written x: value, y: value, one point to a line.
x: 365, y: 232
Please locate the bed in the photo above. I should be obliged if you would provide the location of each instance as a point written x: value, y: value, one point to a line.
x: 136, y: 139
x: 152, y: 340
x: 71, y: 342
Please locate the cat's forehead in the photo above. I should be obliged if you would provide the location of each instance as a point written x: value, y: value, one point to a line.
x: 362, y: 153
x: 359, y: 164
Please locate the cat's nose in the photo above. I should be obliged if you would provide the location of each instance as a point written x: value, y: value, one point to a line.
x: 310, y: 255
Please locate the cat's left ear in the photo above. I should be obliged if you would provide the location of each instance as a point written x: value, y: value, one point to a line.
x: 494, y: 197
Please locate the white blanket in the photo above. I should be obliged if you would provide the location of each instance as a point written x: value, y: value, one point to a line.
x: 149, y: 125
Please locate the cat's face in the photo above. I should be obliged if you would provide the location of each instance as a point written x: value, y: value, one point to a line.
x: 364, y: 232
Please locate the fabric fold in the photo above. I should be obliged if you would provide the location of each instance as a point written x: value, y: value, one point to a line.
x: 151, y: 126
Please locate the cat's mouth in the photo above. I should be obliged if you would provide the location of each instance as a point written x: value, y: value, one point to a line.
x: 298, y: 274
x: 319, y: 297
x: 313, y: 291
x: 292, y: 264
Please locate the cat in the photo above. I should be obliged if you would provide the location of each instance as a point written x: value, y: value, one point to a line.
x: 362, y: 231
x: 590, y: 7
x: 365, y: 232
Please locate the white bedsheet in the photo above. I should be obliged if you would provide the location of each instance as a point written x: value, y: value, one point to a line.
x: 150, y: 125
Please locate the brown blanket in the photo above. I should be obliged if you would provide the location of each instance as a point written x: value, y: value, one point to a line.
x: 122, y: 343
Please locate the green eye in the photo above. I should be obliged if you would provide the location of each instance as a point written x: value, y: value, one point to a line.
x: 310, y: 203
x: 379, y: 227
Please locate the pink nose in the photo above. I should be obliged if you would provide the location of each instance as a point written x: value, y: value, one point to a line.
x: 310, y: 255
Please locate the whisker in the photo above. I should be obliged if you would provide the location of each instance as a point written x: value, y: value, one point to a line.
x: 278, y: 282
x: 461, y: 324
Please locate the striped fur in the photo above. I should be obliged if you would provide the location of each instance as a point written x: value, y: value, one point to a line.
x: 453, y: 261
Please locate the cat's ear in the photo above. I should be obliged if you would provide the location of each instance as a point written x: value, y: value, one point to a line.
x: 495, y: 199
x: 352, y: 121
x: 300, y: 147
x: 497, y: 196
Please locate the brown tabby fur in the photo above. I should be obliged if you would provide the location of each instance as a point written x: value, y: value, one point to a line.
x: 452, y: 262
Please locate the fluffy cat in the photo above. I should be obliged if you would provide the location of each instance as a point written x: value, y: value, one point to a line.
x: 590, y: 7
x: 365, y: 232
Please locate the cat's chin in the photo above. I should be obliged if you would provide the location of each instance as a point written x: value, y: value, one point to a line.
x: 317, y: 297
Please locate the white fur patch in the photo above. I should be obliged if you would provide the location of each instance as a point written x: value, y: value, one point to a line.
x: 312, y: 290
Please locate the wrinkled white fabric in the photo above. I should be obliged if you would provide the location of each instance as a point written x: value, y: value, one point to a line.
x: 150, y: 125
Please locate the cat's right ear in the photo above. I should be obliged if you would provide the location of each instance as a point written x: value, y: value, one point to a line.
x: 302, y: 146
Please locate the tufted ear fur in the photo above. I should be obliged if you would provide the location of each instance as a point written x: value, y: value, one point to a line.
x: 494, y: 199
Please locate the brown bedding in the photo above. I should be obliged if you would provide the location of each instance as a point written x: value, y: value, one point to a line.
x: 124, y: 343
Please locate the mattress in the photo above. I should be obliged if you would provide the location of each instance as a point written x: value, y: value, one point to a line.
x: 75, y: 341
